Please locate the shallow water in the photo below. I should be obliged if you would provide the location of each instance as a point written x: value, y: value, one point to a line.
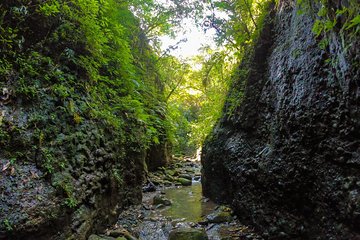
x: 188, y: 210
x: 187, y: 203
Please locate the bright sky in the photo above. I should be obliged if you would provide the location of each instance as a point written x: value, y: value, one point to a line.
x: 195, y: 39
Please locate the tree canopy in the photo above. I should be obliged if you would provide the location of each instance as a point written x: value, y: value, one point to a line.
x: 111, y: 51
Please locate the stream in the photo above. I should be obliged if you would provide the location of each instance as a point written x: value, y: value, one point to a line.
x: 170, y: 204
x: 187, y: 203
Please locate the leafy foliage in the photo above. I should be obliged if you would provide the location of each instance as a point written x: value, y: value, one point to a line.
x: 92, y: 62
x: 236, y: 21
x: 81, y: 69
x: 197, y: 94
x: 343, y: 18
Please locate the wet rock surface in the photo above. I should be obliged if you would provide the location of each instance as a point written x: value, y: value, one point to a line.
x: 75, y: 183
x: 159, y: 199
x: 180, y: 172
x: 188, y: 234
x: 220, y: 215
x: 287, y: 159
x: 82, y: 197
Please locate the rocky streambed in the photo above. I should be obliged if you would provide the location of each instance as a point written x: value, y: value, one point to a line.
x: 173, y: 208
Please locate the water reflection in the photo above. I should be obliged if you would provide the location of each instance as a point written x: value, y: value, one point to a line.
x: 187, y: 203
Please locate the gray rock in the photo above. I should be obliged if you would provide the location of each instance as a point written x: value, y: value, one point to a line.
x: 293, y: 142
x: 222, y: 214
x: 188, y: 234
x: 159, y: 199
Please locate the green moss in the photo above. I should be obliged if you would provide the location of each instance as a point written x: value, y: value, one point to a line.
x: 77, y: 71
x: 118, y: 176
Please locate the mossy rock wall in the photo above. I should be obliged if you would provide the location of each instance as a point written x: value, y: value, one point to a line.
x: 79, y: 109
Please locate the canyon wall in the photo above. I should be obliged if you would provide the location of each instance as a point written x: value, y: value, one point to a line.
x: 287, y: 158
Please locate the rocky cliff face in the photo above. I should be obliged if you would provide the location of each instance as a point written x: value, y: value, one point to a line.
x: 288, y: 158
x: 98, y: 177
x: 72, y: 124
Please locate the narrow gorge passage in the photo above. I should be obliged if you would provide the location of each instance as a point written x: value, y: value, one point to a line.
x: 179, y: 119
x: 173, y: 199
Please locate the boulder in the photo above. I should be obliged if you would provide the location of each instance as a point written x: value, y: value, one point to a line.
x: 186, y: 176
x: 184, y: 181
x: 159, y: 199
x: 222, y: 214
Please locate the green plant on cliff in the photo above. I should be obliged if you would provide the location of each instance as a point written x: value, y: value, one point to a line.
x: 86, y: 77
x: 7, y: 225
x: 95, y: 62
x: 71, y: 202
x: 84, y: 48
x: 342, y: 18
x: 118, y: 176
